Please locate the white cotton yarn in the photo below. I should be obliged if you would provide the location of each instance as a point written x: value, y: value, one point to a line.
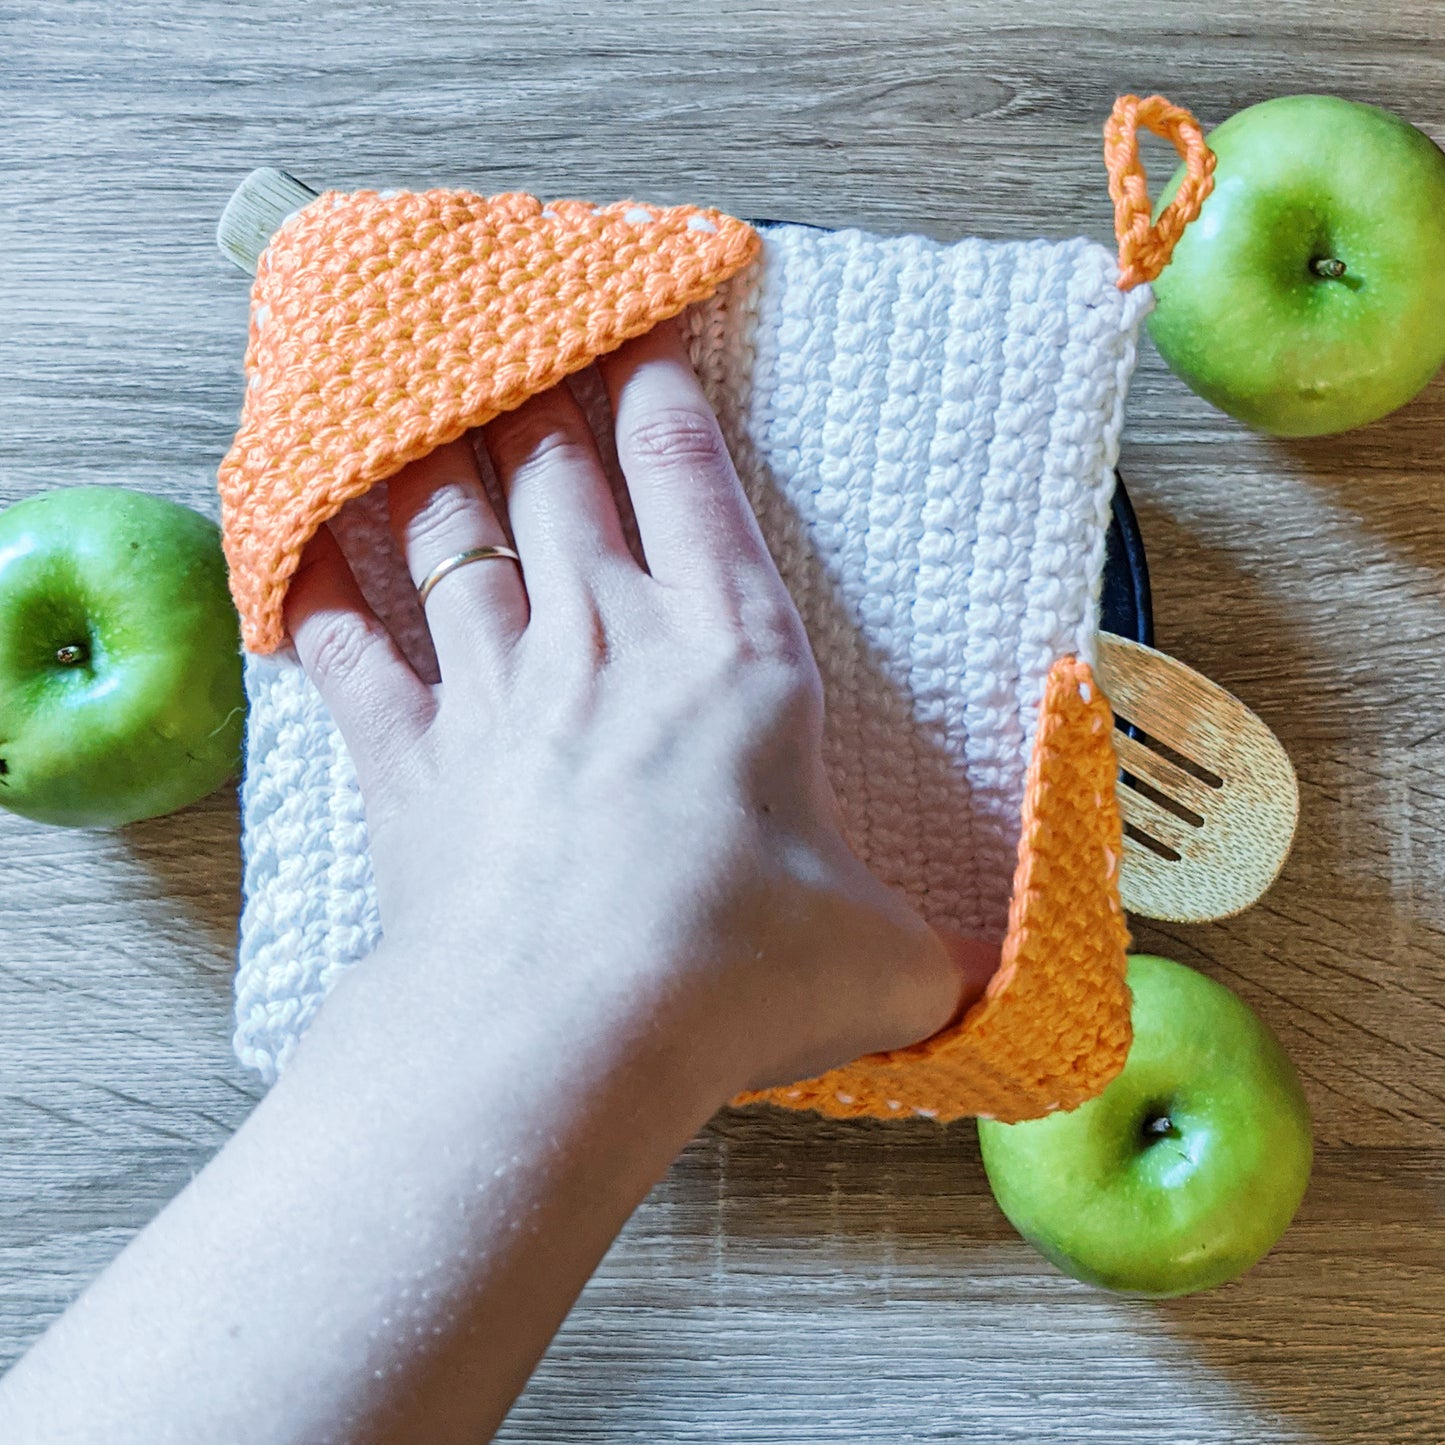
x: 928, y: 434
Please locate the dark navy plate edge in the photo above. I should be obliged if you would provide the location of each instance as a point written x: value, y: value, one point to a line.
x: 1126, y: 605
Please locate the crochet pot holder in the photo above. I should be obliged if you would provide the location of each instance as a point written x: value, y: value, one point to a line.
x: 927, y: 433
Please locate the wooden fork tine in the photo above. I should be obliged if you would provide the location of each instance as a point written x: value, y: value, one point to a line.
x: 1156, y: 822
x: 1159, y: 772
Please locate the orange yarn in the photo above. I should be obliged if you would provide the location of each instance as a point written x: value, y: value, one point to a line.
x: 383, y: 327
x: 1053, y: 1027
x: 1144, y: 250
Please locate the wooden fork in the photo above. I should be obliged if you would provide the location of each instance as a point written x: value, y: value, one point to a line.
x: 1209, y: 797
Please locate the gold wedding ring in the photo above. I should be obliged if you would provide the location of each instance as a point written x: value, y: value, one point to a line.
x: 472, y: 554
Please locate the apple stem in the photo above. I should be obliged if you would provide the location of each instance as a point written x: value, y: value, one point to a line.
x: 1329, y: 267
x: 1158, y: 1126
x: 71, y: 655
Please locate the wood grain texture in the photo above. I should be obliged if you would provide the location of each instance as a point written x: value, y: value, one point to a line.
x: 790, y: 1281
x: 1204, y: 842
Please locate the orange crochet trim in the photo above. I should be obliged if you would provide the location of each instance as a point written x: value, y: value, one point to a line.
x: 384, y: 327
x: 1144, y: 250
x: 1053, y: 1026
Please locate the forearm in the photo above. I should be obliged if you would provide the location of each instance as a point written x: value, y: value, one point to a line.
x: 609, y: 841
x: 386, y: 1247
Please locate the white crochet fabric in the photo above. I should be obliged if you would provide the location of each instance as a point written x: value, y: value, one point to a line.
x: 928, y: 435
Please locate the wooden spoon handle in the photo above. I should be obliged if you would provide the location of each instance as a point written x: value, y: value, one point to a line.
x: 256, y: 209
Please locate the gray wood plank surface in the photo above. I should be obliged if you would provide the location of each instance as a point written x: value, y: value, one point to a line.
x: 790, y: 1281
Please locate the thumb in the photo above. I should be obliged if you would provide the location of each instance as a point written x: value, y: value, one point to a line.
x: 977, y: 962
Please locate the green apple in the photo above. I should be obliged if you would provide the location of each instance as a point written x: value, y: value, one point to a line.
x: 120, y: 661
x: 1309, y: 294
x: 1186, y: 1169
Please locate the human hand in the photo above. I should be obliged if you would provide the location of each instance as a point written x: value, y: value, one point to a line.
x: 617, y: 784
x: 615, y: 892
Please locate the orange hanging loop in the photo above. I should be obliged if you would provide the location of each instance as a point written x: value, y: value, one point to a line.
x: 1144, y: 250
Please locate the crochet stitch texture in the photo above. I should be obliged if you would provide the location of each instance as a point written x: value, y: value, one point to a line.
x: 385, y: 326
x: 927, y: 433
